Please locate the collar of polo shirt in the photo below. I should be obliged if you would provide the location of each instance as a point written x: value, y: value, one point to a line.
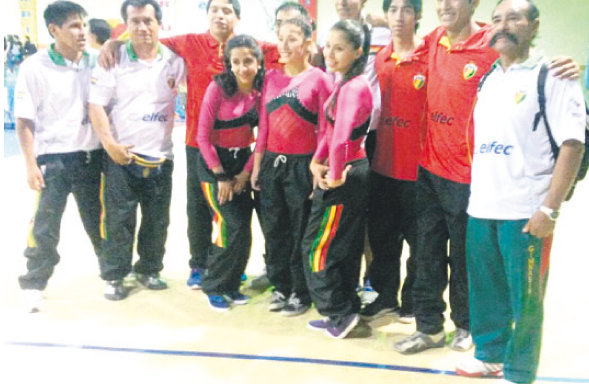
x: 57, y: 58
x: 131, y: 52
x: 529, y: 63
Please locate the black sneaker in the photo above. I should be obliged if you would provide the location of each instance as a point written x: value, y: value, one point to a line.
x: 151, y: 281
x: 115, y: 290
x: 294, y: 306
x: 377, y: 309
x: 277, y: 301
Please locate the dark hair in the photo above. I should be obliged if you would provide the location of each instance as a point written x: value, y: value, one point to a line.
x: 302, y: 23
x: 291, y: 5
x: 141, y: 4
x: 226, y: 80
x: 58, y: 12
x: 358, y: 35
x: 100, y: 29
x: 417, y: 6
x: 234, y: 3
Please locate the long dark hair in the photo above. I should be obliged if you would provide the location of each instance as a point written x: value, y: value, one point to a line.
x: 226, y: 80
x: 358, y: 35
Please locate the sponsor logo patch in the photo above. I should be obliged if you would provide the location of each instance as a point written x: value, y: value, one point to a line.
x: 418, y: 81
x: 469, y: 71
x: 519, y: 97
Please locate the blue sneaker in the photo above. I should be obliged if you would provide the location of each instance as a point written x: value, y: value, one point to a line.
x: 218, y: 303
x: 237, y: 298
x: 195, y: 279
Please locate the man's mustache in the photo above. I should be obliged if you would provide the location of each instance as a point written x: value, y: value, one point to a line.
x: 499, y: 35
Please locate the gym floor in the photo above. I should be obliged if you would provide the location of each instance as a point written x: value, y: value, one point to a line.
x: 173, y: 335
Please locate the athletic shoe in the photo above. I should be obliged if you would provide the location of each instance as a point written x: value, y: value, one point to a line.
x: 260, y: 283
x: 462, y: 340
x: 344, y: 328
x: 237, y: 298
x: 32, y: 299
x: 376, y: 309
x: 218, y: 303
x: 243, y: 277
x: 406, y: 318
x: 277, y: 301
x: 473, y: 367
x: 115, y: 290
x: 151, y: 281
x: 318, y: 325
x: 294, y: 306
x: 195, y: 279
x: 418, y: 342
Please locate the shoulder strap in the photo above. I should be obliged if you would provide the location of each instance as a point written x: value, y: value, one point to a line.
x: 542, y: 112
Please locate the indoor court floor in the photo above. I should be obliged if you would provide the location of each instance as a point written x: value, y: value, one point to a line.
x: 173, y: 336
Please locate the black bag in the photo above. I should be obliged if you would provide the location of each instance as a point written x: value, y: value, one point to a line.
x: 542, y: 115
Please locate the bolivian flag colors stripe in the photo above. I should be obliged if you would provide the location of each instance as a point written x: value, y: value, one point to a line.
x: 326, y: 233
x: 31, y: 243
x: 219, y: 228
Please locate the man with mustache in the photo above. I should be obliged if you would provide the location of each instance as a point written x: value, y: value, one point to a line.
x: 61, y: 152
x: 517, y: 188
x: 459, y: 55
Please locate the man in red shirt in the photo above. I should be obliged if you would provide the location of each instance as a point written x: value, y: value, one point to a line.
x: 401, y: 68
x: 203, y: 54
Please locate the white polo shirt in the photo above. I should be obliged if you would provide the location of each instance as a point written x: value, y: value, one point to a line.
x: 512, y: 164
x: 52, y: 92
x: 141, y: 96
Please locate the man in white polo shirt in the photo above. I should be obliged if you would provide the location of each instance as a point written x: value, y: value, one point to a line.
x: 140, y: 93
x: 61, y: 152
x: 517, y: 188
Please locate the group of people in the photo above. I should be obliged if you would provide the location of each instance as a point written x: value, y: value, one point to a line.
x: 466, y: 187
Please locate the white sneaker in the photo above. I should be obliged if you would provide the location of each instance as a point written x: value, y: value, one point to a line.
x: 473, y: 367
x: 462, y: 340
x: 32, y: 299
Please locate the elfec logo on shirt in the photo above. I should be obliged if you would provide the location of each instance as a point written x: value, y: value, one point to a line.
x: 495, y: 148
x: 469, y: 71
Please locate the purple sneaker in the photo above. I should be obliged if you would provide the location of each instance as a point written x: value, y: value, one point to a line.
x: 345, y: 327
x: 318, y: 325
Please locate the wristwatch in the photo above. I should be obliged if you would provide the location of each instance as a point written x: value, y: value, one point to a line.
x: 551, y: 213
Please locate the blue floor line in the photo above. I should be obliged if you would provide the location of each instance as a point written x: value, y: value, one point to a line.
x: 239, y: 356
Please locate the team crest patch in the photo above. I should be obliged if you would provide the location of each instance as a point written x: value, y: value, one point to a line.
x: 469, y: 71
x: 519, y: 97
x: 171, y: 82
x: 418, y: 81
x: 93, y: 80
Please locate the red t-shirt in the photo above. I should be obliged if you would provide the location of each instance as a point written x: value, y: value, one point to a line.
x: 454, y: 74
x: 203, y: 56
x: 402, y: 124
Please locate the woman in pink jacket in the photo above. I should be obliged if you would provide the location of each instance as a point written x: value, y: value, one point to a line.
x: 228, y: 114
x: 334, y: 239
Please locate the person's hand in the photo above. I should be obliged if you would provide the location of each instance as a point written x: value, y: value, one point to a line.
x: 35, y: 178
x: 319, y: 171
x: 119, y: 153
x: 539, y: 225
x: 564, y: 67
x: 331, y: 183
x: 241, y: 182
x: 108, y: 56
x: 255, y: 179
x: 225, y: 193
